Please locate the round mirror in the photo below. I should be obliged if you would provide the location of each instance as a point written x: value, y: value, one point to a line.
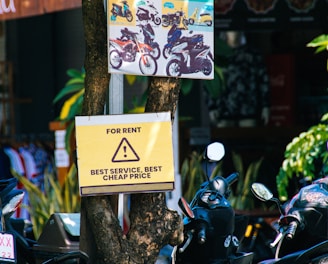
x: 215, y: 151
x: 261, y: 191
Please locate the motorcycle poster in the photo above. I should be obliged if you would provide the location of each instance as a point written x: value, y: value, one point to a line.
x: 161, y: 38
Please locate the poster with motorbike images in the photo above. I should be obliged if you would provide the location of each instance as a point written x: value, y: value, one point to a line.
x: 161, y: 38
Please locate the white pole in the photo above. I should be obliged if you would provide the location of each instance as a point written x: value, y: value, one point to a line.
x: 116, y: 106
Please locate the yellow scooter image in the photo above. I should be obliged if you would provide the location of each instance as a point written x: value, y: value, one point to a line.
x: 204, y: 17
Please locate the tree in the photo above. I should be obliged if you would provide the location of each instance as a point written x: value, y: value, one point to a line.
x: 153, y: 225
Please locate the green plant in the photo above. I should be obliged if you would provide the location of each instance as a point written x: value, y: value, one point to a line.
x: 306, y: 156
x: 320, y: 44
x: 52, y: 198
x: 242, y: 198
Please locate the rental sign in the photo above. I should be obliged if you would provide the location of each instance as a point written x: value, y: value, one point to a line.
x: 124, y: 153
x: 13, y: 9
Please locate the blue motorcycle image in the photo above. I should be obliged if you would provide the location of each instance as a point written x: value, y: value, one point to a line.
x: 122, y: 10
x: 174, y: 38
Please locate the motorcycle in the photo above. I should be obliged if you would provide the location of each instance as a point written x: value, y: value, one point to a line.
x: 150, y: 13
x: 200, y: 18
x: 174, y: 38
x: 302, y: 231
x: 122, y: 11
x: 186, y: 58
x: 126, y: 48
x: 16, y: 242
x: 210, y: 235
x: 149, y: 36
x: 176, y: 18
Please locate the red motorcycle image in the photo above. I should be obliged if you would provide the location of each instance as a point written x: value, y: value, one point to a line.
x: 126, y: 48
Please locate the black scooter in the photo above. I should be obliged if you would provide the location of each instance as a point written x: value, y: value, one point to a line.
x: 209, y: 225
x: 16, y: 242
x: 302, y: 230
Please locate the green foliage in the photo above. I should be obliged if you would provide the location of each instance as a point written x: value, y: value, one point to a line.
x: 320, y: 43
x: 74, y: 91
x: 53, y: 199
x: 306, y: 156
x: 242, y: 198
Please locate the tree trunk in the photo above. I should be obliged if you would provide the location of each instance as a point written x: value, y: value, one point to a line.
x: 152, y: 224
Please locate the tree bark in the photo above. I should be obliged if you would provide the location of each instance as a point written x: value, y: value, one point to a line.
x: 153, y: 225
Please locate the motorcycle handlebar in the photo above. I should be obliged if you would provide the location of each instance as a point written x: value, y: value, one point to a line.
x: 232, y: 178
x: 290, y: 232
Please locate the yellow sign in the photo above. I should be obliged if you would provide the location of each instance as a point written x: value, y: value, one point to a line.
x: 124, y: 153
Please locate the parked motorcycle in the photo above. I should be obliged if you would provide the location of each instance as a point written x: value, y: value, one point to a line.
x: 126, y: 49
x: 174, y: 37
x: 302, y: 230
x: 122, y: 10
x: 209, y: 226
x: 148, y: 13
x: 149, y: 36
x: 16, y: 242
x: 186, y: 58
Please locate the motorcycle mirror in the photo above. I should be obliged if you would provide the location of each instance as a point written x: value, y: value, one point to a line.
x: 264, y: 194
x: 261, y: 192
x: 184, y: 206
x: 214, y: 152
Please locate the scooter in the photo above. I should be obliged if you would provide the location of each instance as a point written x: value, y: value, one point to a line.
x: 148, y: 13
x: 126, y: 49
x: 174, y: 37
x: 17, y: 245
x: 302, y: 230
x: 186, y: 58
x: 200, y: 18
x: 209, y: 225
x: 122, y: 11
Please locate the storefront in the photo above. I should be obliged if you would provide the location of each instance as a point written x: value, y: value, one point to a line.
x: 39, y: 41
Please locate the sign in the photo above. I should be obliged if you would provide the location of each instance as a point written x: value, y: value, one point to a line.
x: 161, y: 38
x: 13, y: 9
x: 269, y: 14
x: 124, y: 153
x: 7, y: 248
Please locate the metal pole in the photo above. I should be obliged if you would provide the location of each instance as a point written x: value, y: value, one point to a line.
x: 116, y: 106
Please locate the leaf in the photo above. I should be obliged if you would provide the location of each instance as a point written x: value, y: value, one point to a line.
x: 65, y: 111
x: 321, y: 40
x: 74, y: 73
x: 131, y: 79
